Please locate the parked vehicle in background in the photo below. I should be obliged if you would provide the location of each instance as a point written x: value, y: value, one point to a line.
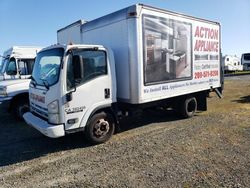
x: 17, y: 62
x: 16, y: 69
x: 146, y: 57
x: 232, y: 63
x: 245, y: 60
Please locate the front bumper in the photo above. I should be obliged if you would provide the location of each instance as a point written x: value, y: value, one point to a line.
x: 52, y: 131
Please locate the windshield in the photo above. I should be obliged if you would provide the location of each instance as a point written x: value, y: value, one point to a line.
x: 2, y: 63
x: 47, y: 67
x: 247, y: 57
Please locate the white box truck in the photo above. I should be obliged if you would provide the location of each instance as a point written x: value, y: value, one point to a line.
x: 15, y: 71
x: 132, y: 59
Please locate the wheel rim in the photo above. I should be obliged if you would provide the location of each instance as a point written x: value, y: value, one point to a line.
x: 101, y: 128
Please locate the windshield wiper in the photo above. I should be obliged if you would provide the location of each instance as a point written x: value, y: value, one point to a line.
x: 45, y: 83
x: 34, y: 81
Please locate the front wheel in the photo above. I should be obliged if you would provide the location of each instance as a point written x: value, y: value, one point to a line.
x: 100, y: 128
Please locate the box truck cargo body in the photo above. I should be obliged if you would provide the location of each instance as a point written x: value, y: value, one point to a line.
x: 158, y: 54
x: 131, y: 59
x: 70, y: 33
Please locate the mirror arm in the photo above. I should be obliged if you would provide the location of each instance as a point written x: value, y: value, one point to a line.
x: 74, y: 89
x: 69, y: 95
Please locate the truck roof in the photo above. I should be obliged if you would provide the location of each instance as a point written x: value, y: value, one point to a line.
x: 133, y: 11
x: 78, y: 22
x: 22, y: 51
x: 176, y: 13
x: 65, y: 47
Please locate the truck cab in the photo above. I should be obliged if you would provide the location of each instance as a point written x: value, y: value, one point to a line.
x: 70, y: 85
x: 245, y: 61
x: 17, y: 62
x: 13, y: 68
x: 15, y: 71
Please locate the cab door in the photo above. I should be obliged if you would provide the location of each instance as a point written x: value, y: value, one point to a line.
x: 88, y: 82
x: 25, y: 67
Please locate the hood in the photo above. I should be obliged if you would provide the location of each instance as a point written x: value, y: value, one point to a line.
x: 13, y: 82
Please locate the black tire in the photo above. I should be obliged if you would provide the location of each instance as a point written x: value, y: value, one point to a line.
x: 100, y: 128
x: 188, y: 107
x: 20, y: 107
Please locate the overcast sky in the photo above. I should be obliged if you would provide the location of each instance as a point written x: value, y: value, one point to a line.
x: 35, y: 22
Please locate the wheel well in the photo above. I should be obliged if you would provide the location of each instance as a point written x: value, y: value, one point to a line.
x: 201, y: 98
x: 15, y: 99
x: 112, y: 110
x: 107, y: 110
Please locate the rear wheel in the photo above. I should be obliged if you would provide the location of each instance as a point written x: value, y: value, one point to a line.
x: 100, y: 128
x: 188, y: 107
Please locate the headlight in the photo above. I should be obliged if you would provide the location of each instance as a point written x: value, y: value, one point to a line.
x: 53, y: 112
x: 3, y: 91
x: 53, y: 108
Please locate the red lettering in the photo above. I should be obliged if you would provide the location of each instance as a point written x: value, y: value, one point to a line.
x: 197, y: 32
x: 206, y: 46
x: 206, y: 33
x: 202, y: 32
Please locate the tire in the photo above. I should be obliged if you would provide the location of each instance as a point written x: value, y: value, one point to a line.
x: 188, y: 107
x: 21, y: 107
x: 100, y: 128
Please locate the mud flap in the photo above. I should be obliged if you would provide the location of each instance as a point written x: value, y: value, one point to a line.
x: 219, y: 94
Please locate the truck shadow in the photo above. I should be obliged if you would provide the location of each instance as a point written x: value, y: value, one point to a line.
x: 20, y: 142
x: 245, y: 99
x: 147, y: 117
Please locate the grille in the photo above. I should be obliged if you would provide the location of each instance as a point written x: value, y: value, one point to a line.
x: 40, y: 111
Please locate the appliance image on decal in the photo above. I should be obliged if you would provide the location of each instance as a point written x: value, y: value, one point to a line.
x: 167, y: 49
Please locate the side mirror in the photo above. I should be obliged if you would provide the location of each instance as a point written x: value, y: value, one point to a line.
x: 77, y: 68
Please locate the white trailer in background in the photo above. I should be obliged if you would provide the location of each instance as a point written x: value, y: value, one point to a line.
x: 231, y: 63
x: 15, y: 72
x: 132, y: 59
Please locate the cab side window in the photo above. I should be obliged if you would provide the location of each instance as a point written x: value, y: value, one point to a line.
x: 94, y: 64
x: 70, y: 73
x: 22, y: 68
x: 90, y: 65
x: 25, y: 66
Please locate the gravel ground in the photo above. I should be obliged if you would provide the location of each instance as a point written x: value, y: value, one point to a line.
x: 212, y: 149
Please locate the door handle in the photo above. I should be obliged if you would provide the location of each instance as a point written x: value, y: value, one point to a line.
x: 107, y: 93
